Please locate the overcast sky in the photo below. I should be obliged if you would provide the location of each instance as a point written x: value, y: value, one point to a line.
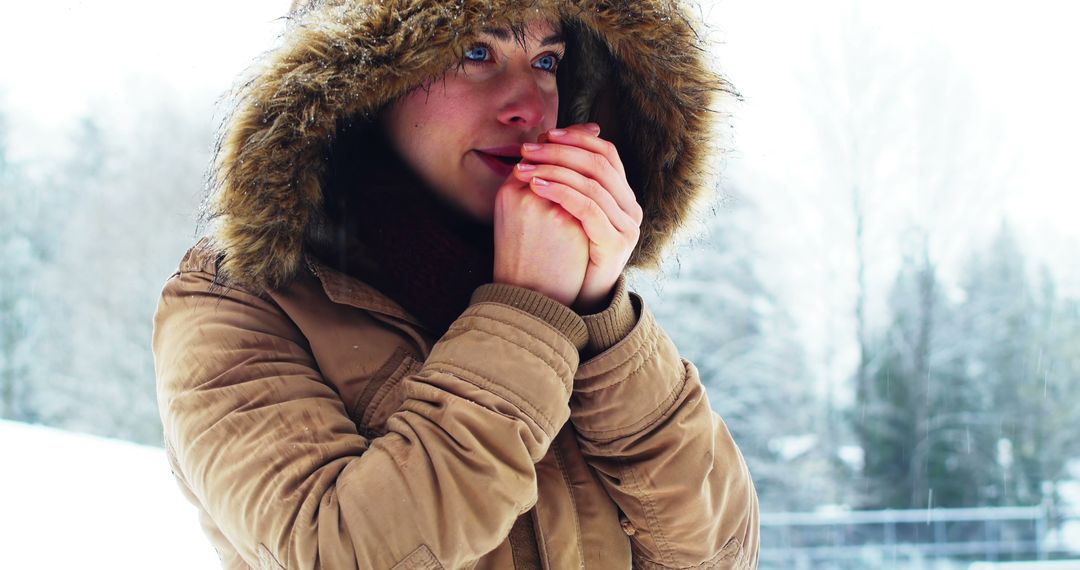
x: 58, y: 56
x: 1017, y: 57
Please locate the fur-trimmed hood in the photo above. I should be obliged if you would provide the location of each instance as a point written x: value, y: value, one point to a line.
x: 638, y: 68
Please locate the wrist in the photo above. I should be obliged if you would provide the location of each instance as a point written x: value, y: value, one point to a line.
x: 590, y: 305
x: 561, y: 297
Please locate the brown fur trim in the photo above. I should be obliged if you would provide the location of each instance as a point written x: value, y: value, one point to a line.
x: 640, y: 72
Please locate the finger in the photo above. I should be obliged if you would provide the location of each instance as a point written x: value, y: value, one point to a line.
x: 584, y: 137
x: 587, y: 186
x: 591, y: 129
x: 593, y: 220
x: 589, y: 163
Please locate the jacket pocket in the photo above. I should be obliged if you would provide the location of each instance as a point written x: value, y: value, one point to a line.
x: 420, y: 559
x: 383, y: 394
x: 731, y: 557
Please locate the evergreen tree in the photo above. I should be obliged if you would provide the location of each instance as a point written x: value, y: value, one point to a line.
x: 1019, y: 339
x: 919, y: 425
x: 972, y: 402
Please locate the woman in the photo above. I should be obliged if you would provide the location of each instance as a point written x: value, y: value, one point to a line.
x: 408, y: 341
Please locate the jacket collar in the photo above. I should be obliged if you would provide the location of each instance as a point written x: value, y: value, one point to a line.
x: 347, y: 290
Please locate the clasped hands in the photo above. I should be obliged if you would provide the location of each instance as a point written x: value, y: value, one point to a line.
x: 575, y: 242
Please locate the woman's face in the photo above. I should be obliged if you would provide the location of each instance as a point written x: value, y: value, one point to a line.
x: 454, y: 132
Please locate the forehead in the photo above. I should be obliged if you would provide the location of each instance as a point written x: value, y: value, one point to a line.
x: 543, y: 32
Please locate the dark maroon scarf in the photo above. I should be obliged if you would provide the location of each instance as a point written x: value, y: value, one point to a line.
x: 402, y: 238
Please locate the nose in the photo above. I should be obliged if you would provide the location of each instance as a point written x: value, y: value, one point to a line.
x: 525, y: 105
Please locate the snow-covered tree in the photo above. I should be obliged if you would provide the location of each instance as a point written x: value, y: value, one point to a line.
x: 974, y: 397
x: 1019, y: 346
x: 23, y: 251
x: 901, y: 148
x: 713, y: 303
x: 921, y: 421
x: 132, y: 181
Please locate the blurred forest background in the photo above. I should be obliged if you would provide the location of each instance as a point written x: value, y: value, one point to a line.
x: 877, y: 322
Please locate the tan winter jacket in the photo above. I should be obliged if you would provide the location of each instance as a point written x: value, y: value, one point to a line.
x: 315, y: 423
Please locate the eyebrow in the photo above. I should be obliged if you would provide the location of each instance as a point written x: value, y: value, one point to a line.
x: 503, y: 34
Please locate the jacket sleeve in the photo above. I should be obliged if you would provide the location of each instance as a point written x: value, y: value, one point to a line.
x: 268, y: 450
x: 666, y: 458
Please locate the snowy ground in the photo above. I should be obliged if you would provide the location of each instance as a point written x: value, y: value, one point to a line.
x: 69, y: 500
x: 75, y: 500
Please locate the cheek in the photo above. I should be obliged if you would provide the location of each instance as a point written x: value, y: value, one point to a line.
x: 423, y: 122
x: 551, y: 115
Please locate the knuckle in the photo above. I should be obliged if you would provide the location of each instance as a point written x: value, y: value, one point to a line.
x: 599, y: 161
x: 594, y: 188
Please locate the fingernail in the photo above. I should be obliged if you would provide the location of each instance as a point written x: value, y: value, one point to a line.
x: 525, y: 167
x: 540, y: 182
x: 532, y: 146
x: 595, y: 128
x: 557, y: 132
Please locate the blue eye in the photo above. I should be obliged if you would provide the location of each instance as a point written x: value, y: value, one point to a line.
x: 478, y: 53
x: 549, y: 62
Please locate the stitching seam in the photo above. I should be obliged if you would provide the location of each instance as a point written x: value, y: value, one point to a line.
x: 389, y: 384
x: 569, y: 489
x: 530, y: 351
x: 648, y: 330
x: 646, y: 344
x: 480, y: 380
x: 523, y: 312
x: 649, y: 510
x: 512, y: 325
x: 371, y: 392
x: 731, y: 551
x: 665, y: 404
x: 643, y: 348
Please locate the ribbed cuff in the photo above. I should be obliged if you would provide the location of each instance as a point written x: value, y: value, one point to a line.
x: 611, y: 325
x: 537, y: 304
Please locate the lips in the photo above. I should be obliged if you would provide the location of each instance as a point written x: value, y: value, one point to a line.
x: 500, y: 160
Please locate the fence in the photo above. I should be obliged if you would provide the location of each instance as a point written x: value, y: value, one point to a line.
x: 924, y: 538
